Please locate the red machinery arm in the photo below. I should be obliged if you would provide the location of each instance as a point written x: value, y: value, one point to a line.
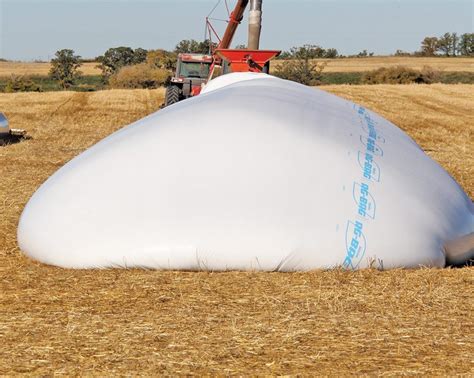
x: 234, y: 20
x: 240, y: 60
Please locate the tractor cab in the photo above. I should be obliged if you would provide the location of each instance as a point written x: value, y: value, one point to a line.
x: 192, y: 70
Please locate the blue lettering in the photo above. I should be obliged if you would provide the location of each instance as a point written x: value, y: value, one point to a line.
x: 355, y: 244
x: 358, y: 229
x: 364, y: 189
x: 370, y: 145
x: 347, y: 262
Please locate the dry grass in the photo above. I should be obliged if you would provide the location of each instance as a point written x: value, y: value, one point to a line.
x: 135, y: 321
x: 40, y: 69
x: 334, y: 65
x: 369, y: 64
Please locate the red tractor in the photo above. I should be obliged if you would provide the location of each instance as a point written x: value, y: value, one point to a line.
x: 195, y: 70
x: 192, y: 70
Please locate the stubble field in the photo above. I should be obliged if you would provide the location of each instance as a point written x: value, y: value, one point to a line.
x: 136, y: 321
x: 459, y: 64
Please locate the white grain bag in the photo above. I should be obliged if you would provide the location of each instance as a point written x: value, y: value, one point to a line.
x: 252, y: 174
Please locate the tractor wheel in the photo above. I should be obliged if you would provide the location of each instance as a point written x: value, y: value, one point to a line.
x: 172, y: 95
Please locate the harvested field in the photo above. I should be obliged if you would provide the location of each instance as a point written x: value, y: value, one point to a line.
x: 369, y: 64
x: 354, y: 65
x: 40, y: 69
x: 136, y: 321
x: 333, y: 65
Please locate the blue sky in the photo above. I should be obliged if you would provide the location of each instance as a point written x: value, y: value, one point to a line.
x: 35, y: 29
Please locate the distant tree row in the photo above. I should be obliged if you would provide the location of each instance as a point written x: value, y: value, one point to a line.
x: 195, y: 47
x: 307, y: 51
x: 310, y: 52
x: 449, y: 44
x: 65, y: 65
x: 117, y: 57
x: 158, y: 65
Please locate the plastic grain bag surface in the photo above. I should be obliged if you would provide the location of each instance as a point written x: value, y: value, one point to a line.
x: 256, y: 173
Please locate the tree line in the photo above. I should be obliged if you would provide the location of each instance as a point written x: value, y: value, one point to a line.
x: 65, y: 66
x: 140, y: 68
x: 448, y: 45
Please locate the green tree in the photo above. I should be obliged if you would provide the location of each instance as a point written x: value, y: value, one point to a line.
x: 445, y: 44
x: 162, y: 59
x: 118, y: 57
x: 454, y: 44
x: 308, y: 52
x: 401, y: 53
x: 186, y: 46
x: 139, y: 55
x: 429, y: 46
x: 331, y: 54
x: 65, y: 67
x: 303, y: 70
x: 192, y: 46
x: 285, y: 55
x: 466, y: 44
